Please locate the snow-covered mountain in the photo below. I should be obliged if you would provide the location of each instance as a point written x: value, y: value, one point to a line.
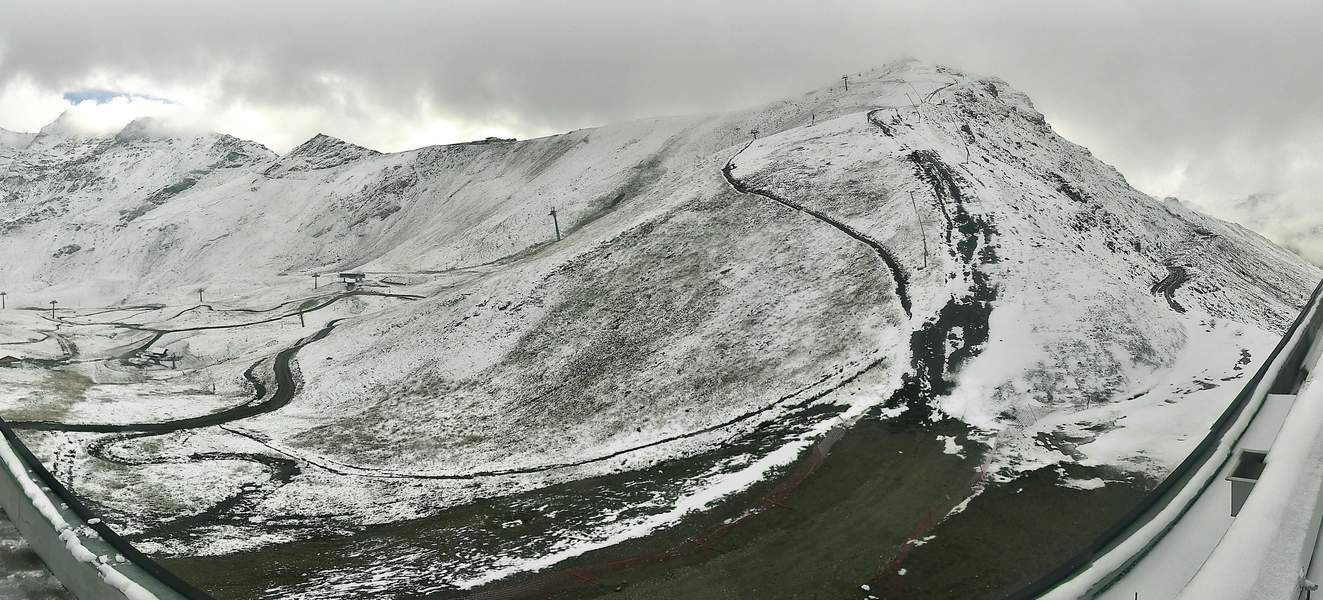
x: 11, y: 143
x: 1017, y: 226
x: 1292, y: 223
x: 14, y: 139
x: 924, y: 240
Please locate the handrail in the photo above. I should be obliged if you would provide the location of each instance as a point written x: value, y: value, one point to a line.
x: 1162, y: 495
x: 90, y: 519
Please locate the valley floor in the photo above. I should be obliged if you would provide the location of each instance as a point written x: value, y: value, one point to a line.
x: 865, y: 504
x: 856, y: 504
x: 858, y: 507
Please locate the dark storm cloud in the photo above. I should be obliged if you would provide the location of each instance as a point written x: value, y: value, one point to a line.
x: 1213, y: 100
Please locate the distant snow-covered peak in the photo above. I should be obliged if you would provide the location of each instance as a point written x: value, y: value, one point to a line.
x: 64, y: 127
x: 320, y: 152
x: 15, y: 140
x: 143, y: 128
x: 322, y: 145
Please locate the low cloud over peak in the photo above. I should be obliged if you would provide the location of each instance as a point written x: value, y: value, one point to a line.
x: 1211, y: 102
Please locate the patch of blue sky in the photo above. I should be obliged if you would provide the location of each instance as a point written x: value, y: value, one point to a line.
x: 100, y: 96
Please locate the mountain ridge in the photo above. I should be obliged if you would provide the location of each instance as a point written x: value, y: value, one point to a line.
x: 923, y: 246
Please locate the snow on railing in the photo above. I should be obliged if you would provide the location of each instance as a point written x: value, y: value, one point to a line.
x: 1268, y: 548
x: 1117, y: 548
x: 85, y: 554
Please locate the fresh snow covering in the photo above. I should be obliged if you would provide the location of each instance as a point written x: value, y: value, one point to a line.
x: 1270, y: 542
x: 72, y: 541
x: 1081, y: 320
x: 40, y: 501
x: 320, y: 152
x: 11, y: 144
x: 15, y: 140
x: 950, y: 445
x: 1176, y: 541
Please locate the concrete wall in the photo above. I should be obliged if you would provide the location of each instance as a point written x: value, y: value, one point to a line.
x: 88, y: 566
x: 80, y: 578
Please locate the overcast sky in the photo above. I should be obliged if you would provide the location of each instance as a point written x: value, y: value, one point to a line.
x: 1209, y: 100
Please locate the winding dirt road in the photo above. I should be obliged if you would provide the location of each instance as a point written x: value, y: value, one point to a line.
x: 898, y: 273
x: 284, y: 389
x: 285, y: 386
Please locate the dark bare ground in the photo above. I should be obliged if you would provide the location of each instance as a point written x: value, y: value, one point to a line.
x: 844, y: 527
x: 832, y: 534
x: 1167, y: 286
x: 1016, y: 532
x: 820, y: 528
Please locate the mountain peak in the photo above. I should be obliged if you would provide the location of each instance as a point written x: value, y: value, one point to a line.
x: 323, y: 145
x: 141, y: 128
x: 64, y: 126
x: 321, y: 151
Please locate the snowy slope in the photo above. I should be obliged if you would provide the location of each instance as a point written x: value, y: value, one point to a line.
x: 922, y: 240
x: 14, y: 140
x: 1048, y: 277
x: 1293, y: 224
x: 11, y: 143
x: 320, y: 152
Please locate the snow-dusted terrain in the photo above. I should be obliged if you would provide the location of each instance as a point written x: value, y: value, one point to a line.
x: 921, y: 241
x: 1295, y: 225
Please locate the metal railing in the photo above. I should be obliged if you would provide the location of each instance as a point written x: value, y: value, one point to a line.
x: 1162, y: 495
x: 163, y: 577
